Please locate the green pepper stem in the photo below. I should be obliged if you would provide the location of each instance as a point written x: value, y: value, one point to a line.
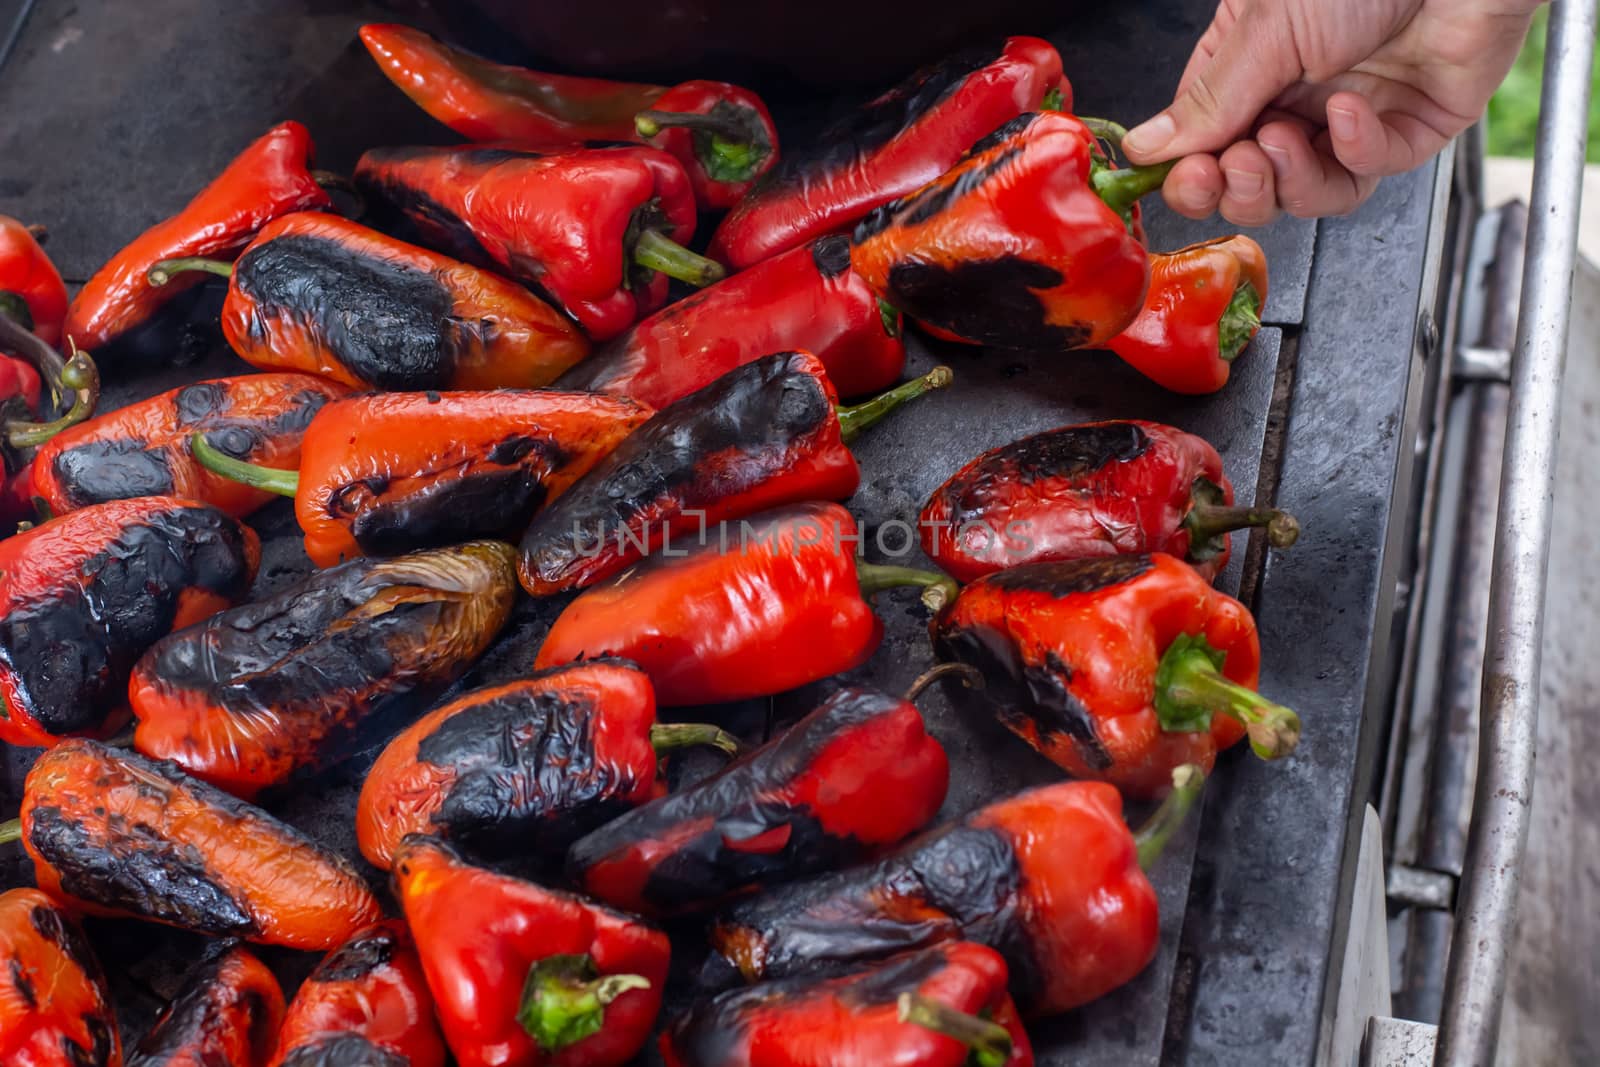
x: 1052, y: 100
x: 38, y: 231
x: 853, y: 418
x: 889, y: 315
x: 80, y: 377
x: 971, y: 677
x: 161, y: 273
x: 1190, y: 688
x: 724, y: 125
x: 564, y: 1001
x: 938, y: 589
x: 1152, y: 837
x: 1240, y: 321
x: 17, y: 336
x: 1121, y: 187
x: 666, y: 736
x: 989, y: 1041
x: 1105, y: 129
x: 1206, y: 521
x: 271, y: 479
x: 15, y: 307
x: 656, y: 252
x: 10, y: 830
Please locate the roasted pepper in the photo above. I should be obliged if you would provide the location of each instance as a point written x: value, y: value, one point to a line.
x: 600, y: 230
x: 268, y: 179
x: 857, y: 774
x: 55, y: 1010
x: 764, y: 434
x: 1119, y: 668
x: 143, y: 449
x: 26, y: 272
x: 83, y: 596
x: 74, y: 391
x: 1027, y: 243
x: 890, y: 147
x: 1091, y: 490
x: 323, y: 295
x: 113, y: 833
x: 227, y: 1014
x: 524, y: 975
x: 259, y: 692
x: 392, y: 472
x: 1203, y: 307
x: 942, y: 1006
x: 721, y: 133
x: 771, y: 603
x: 524, y: 768
x: 366, y: 1005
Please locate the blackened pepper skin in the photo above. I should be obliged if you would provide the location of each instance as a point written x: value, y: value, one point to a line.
x: 227, y: 1013
x: 55, y: 1010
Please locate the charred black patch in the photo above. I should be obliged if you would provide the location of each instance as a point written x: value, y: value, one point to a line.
x: 936, y: 199
x: 96, y: 471
x: 1003, y: 133
x: 1074, y: 455
x: 486, y: 504
x: 1070, y: 577
x: 98, y: 1054
x: 23, y: 984
x: 357, y: 958
x: 406, y: 209
x: 190, y: 1019
x: 199, y: 401
x: 342, y: 1050
x: 242, y: 437
x: 831, y: 255
x: 987, y: 301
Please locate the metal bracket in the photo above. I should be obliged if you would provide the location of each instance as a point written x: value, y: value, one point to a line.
x: 1415, y: 887
x: 1398, y: 1043
x: 1478, y: 363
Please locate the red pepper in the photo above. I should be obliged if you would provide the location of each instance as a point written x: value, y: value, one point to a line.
x: 268, y: 179
x: 807, y: 299
x: 366, y: 1003
x: 523, y: 975
x: 758, y: 608
x: 943, y: 1006
x: 1203, y: 308
x: 55, y: 1010
x: 721, y: 133
x: 477, y: 770
x: 228, y: 1012
x: 600, y: 230
x: 26, y: 272
x: 1091, y: 490
x: 74, y: 390
x: 1119, y: 669
x: 323, y: 295
x: 764, y: 434
x: 1050, y: 878
x: 890, y: 147
x: 856, y: 775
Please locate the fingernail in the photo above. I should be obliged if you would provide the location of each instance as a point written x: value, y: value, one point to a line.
x: 1243, y: 184
x: 1342, y: 122
x: 1278, y: 156
x: 1152, y: 136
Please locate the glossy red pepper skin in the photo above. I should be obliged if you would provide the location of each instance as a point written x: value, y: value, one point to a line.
x: 480, y: 934
x: 857, y: 774
x: 852, y: 1020
x: 228, y: 1012
x: 562, y: 223
x: 84, y: 595
x: 143, y: 449
x: 26, y: 270
x: 19, y: 381
x: 113, y: 833
x: 55, y: 1010
x: 807, y: 299
x: 270, y: 178
x: 890, y: 147
x: 1176, y: 340
x: 366, y: 1003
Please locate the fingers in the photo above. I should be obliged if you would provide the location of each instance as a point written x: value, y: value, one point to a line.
x: 1195, y: 186
x: 1250, y: 196
x: 1311, y: 183
x: 1372, y: 145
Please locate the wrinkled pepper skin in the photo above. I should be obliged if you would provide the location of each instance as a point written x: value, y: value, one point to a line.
x: 807, y: 299
x: 481, y: 934
x: 55, y: 1010
x: 113, y: 833
x: 268, y: 179
x: 890, y: 147
x: 227, y: 1014
x: 323, y: 295
x: 565, y: 224
x: 366, y: 1005
x: 852, y: 1020
x: 256, y: 693
x: 84, y: 595
x: 26, y: 270
x: 1189, y: 331
x: 722, y: 134
x: 1013, y: 247
x: 143, y: 449
x: 857, y: 774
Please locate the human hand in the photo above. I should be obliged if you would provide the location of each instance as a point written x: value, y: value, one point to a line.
x: 1303, y: 105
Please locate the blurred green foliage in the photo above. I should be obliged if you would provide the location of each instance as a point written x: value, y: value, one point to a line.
x: 1514, y: 111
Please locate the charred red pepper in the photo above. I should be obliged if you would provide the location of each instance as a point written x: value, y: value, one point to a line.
x: 1203, y: 307
x: 323, y: 295
x: 478, y: 770
x: 764, y: 434
x: 769, y: 604
x: 890, y: 147
x: 1119, y: 669
x: 259, y: 692
x: 601, y: 230
x: 83, y: 596
x: 268, y: 179
x: 26, y: 272
x: 114, y: 833
x: 1095, y: 489
x: 367, y: 1004
x: 1050, y: 878
x: 55, y: 1009
x: 721, y: 133
x: 524, y: 975
x: 227, y: 1013
x: 857, y: 774
x: 942, y: 1006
